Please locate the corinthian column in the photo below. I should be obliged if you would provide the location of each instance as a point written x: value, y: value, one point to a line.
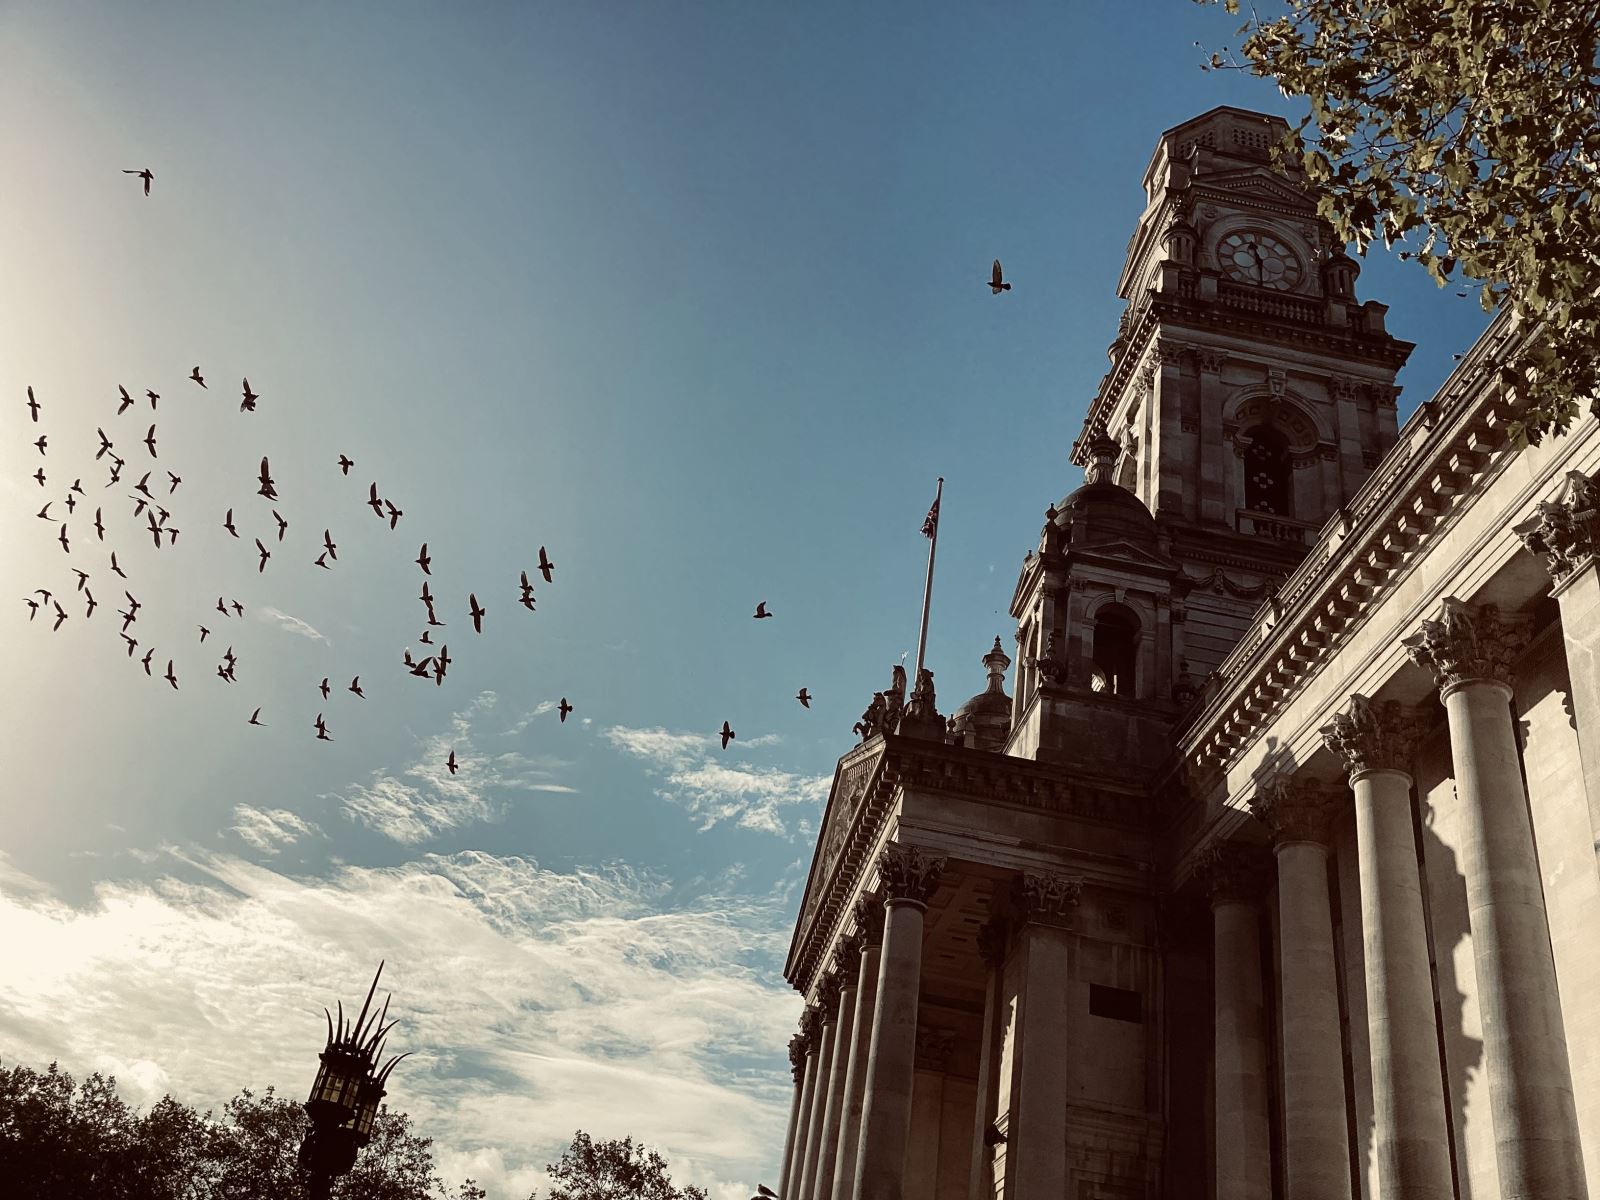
x: 797, y: 1067
x: 1233, y: 875
x: 869, y: 934
x: 794, y: 1163
x: 827, y: 1042
x: 1470, y: 651
x: 1316, y: 1141
x: 994, y: 940
x: 908, y: 876
x: 1045, y: 905
x: 1410, y: 1138
x: 847, y: 964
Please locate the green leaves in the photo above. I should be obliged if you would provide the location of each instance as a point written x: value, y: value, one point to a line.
x: 1469, y: 130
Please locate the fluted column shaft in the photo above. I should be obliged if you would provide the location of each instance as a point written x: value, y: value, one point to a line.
x: 1470, y: 651
x: 855, y: 1084
x: 825, y: 1187
x: 1233, y: 877
x: 797, y: 1064
x: 827, y: 1041
x: 1316, y: 1141
x: 993, y: 939
x: 908, y: 878
x: 802, y: 1135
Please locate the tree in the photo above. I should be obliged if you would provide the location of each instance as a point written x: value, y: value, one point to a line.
x: 613, y: 1170
x: 1469, y: 132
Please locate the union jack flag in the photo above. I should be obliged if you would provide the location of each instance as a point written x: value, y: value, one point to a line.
x: 930, y: 523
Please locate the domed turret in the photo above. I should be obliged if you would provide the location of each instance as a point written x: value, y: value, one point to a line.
x: 1102, y: 511
x: 985, y: 721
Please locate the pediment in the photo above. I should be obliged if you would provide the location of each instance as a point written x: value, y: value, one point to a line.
x: 1126, y: 554
x: 1260, y: 184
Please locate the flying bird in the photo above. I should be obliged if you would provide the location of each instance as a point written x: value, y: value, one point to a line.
x: 66, y: 546
x: 477, y: 613
x: 146, y: 174
x: 77, y: 486
x: 221, y: 607
x: 373, y: 502
x: 116, y: 470
x: 204, y: 632
x: 255, y: 719
x: 238, y: 609
x: 44, y: 513
x: 150, y: 441
x: 61, y: 615
x: 99, y: 526
x: 329, y: 546
x: 546, y: 567
x: 127, y: 400
x: 143, y: 487
x: 39, y: 475
x: 424, y: 561
x: 355, y: 686
x: 425, y: 638
x: 227, y: 523
x: 322, y: 730
x: 116, y: 570
x: 132, y: 642
x: 282, y: 524
x: 526, y: 599
x: 394, y: 513
x: 198, y: 378
x: 265, y: 554
x: 727, y: 734
x: 564, y: 708
x: 33, y: 606
x: 72, y: 504
x: 450, y: 762
x: 323, y: 687
x: 248, y: 404
x: 170, y: 677
x: 997, y: 283
x: 152, y: 397
x: 89, y: 596
x: 420, y: 669
x: 322, y: 561
x: 761, y: 613
x: 128, y: 618
x: 105, y: 444
x: 83, y: 578
x: 176, y: 480
x: 345, y: 463
x: 44, y: 439
x: 804, y: 697
x: 267, y: 488
x: 33, y: 405
x: 148, y: 655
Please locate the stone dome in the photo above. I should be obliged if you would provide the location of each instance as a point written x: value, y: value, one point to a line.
x: 1101, y: 510
x: 985, y: 720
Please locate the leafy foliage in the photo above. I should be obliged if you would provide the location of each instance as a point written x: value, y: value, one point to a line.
x: 614, y: 1170
x: 62, y: 1139
x: 1468, y: 131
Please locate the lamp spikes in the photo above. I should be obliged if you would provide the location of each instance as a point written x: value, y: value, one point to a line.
x: 329, y: 1016
x: 362, y: 1019
x: 383, y: 1075
x: 341, y: 1019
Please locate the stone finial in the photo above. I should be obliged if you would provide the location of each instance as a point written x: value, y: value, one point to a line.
x: 1565, y: 532
x: 994, y: 939
x: 1046, y: 898
x: 909, y: 873
x: 1297, y: 810
x: 1467, y: 643
x: 868, y: 915
x: 1103, y: 452
x: 933, y: 1048
x: 1370, y: 736
x: 997, y: 663
x: 797, y: 1057
x: 1231, y: 872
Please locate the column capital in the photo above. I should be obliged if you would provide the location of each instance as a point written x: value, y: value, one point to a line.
x: 828, y: 998
x: 933, y: 1048
x: 1373, y: 736
x: 847, y: 960
x: 909, y: 873
x: 797, y: 1057
x: 810, y: 1028
x: 1565, y: 532
x: 868, y: 914
x: 1046, y: 898
x: 1211, y: 359
x: 994, y: 939
x: 1297, y: 810
x: 1232, y: 872
x: 1468, y: 643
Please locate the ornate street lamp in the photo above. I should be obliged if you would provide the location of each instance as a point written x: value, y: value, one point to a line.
x: 344, y: 1099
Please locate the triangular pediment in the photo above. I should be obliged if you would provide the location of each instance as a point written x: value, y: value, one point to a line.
x: 1259, y: 183
x: 1125, y: 554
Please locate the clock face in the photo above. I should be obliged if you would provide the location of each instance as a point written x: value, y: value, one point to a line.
x: 1258, y: 258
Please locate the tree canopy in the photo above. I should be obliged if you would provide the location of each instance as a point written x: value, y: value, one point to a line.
x: 1468, y: 132
x: 614, y: 1170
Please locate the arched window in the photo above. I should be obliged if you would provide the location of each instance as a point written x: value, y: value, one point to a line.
x: 1116, y: 649
x: 1268, y: 472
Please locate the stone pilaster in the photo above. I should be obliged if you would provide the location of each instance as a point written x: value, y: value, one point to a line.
x: 1316, y: 1139
x: 827, y: 1044
x: 1044, y: 905
x: 1410, y: 1144
x: 810, y: 1029
x: 868, y: 932
x: 797, y: 1068
x: 846, y: 970
x: 1234, y: 875
x: 1470, y: 652
x: 908, y: 876
x: 994, y: 941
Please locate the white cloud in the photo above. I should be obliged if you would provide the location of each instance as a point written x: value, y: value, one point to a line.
x: 715, y: 790
x: 289, y: 624
x: 425, y: 799
x: 270, y: 830
x: 536, y: 1002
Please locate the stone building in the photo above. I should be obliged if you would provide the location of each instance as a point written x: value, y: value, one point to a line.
x: 1276, y: 876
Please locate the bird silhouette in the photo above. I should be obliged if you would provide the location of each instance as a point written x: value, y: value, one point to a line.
x: 77, y: 486
x: 143, y: 487
x: 148, y: 655
x: 267, y: 487
x: 761, y: 612
x: 323, y: 687
x: 146, y: 174
x: 33, y: 606
x: 420, y: 669
x: 198, y: 378
x: 89, y: 596
x: 282, y: 524
x: 804, y: 697
x: 265, y: 554
x: 394, y: 513
x: 152, y: 397
x: 132, y: 642
x: 45, y: 592
x: 355, y: 686
x: 997, y: 283
x: 450, y: 763
x: 329, y: 546
x: 564, y: 708
x: 116, y: 470
x: 526, y: 599
x: 477, y: 613
x: 763, y: 1192
x: 248, y: 404
x: 238, y: 609
x: 83, y: 578
x: 345, y: 463
x: 170, y: 677
x: 44, y: 513
x: 129, y: 616
x: 322, y: 561
x: 221, y: 607
x: 33, y: 405
x: 155, y: 529
x: 322, y: 730
x: 425, y: 638
x: 728, y: 735
x: 42, y: 442
x: 105, y: 444
x: 66, y: 546
x: 546, y: 567
x: 116, y: 570
x: 255, y: 719
x: 39, y: 475
x: 227, y: 523
x: 99, y: 526
x: 424, y: 561
x: 61, y: 615
x: 150, y: 441
x: 204, y: 632
x: 176, y: 480
x: 126, y: 402
x: 72, y: 504
x: 375, y: 504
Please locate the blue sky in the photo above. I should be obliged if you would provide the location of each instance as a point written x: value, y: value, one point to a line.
x: 689, y: 294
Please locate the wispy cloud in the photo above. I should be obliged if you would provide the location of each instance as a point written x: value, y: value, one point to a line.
x: 715, y: 789
x: 536, y: 1001
x: 424, y: 799
x: 288, y: 623
x: 270, y: 830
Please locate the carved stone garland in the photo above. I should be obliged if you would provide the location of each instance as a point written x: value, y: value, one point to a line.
x: 1468, y: 643
x: 1372, y: 736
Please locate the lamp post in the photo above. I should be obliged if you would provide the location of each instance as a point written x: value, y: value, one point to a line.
x: 344, y: 1099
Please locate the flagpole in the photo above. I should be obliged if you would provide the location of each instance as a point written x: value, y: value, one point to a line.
x: 927, y: 587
